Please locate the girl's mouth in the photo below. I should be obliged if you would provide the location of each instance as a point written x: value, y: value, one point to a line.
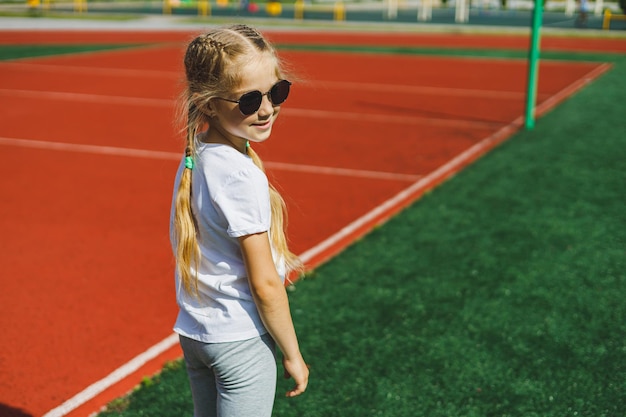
x: 263, y: 125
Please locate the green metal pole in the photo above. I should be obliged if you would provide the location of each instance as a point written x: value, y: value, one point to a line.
x: 533, y: 60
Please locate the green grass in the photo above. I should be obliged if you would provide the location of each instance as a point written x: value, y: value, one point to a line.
x: 148, y: 398
x: 500, y: 293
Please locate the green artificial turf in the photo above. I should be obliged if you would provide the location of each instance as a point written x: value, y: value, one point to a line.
x: 500, y: 293
x: 164, y: 394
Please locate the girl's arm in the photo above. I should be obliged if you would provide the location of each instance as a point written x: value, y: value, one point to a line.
x: 271, y: 300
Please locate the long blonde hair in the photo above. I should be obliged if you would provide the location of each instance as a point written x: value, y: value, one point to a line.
x: 211, y: 63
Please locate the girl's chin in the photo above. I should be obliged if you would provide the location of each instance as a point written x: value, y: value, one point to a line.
x: 258, y: 138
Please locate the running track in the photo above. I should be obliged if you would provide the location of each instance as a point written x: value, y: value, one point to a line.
x: 88, y: 150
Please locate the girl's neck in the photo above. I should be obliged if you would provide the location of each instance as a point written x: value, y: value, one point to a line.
x: 215, y: 136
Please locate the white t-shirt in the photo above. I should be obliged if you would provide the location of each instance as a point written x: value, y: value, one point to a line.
x: 230, y: 199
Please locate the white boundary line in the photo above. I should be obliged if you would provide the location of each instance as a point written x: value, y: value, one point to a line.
x: 94, y: 149
x: 296, y: 112
x: 426, y: 90
x: 339, y: 85
x: 343, y: 171
x: 143, y: 153
x: 87, y: 98
x: 556, y: 98
x: 35, y: 66
x: 320, y: 114
x: 391, y: 119
x: 114, y: 377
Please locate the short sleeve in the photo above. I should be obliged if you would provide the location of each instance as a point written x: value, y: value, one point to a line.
x: 244, y: 202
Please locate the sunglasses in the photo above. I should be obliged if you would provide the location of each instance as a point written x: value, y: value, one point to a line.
x: 249, y: 103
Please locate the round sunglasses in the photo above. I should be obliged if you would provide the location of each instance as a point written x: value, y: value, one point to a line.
x: 249, y: 103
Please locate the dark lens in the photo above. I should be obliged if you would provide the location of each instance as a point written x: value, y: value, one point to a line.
x: 279, y: 92
x: 250, y: 102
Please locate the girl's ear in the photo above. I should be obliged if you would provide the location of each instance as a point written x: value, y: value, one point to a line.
x: 210, y: 110
x: 206, y: 107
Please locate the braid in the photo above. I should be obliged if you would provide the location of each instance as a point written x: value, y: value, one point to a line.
x: 187, y: 249
x: 204, y: 59
x: 252, y: 36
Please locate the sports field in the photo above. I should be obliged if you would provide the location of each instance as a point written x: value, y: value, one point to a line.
x: 500, y: 293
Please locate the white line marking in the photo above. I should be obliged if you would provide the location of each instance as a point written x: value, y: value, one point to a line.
x: 342, y: 85
x: 143, y: 153
x: 566, y: 92
x: 88, y: 98
x: 391, y: 119
x: 113, y: 378
x: 320, y: 114
x: 94, y: 149
x: 91, y: 71
x: 420, y: 89
x: 342, y: 171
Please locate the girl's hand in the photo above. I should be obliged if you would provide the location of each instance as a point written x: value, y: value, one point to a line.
x: 299, y: 371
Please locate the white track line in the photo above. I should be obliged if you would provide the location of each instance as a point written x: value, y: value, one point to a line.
x: 343, y: 171
x: 420, y: 89
x: 319, y: 114
x: 91, y: 71
x: 113, y: 378
x: 340, y: 85
x: 94, y: 149
x: 556, y: 98
x: 391, y: 119
x: 87, y: 98
x: 298, y: 112
x: 144, y: 153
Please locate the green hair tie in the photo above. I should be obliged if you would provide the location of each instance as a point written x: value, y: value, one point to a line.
x: 189, y: 162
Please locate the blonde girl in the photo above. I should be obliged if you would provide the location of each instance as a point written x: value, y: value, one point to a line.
x: 227, y: 230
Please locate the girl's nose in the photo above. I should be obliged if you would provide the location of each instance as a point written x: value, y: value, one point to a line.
x: 267, y: 107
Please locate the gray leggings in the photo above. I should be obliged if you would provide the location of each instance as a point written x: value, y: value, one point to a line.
x: 236, y: 379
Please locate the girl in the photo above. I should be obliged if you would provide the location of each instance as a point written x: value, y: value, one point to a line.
x: 227, y: 230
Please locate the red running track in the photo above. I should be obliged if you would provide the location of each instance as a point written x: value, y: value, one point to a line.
x: 88, y: 152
